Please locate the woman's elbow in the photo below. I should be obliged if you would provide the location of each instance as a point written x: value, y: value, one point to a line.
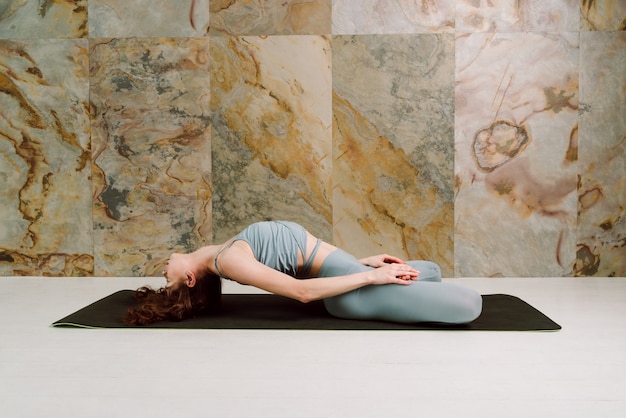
x: 304, y: 296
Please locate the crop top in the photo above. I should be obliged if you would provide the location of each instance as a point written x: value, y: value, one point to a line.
x: 276, y: 244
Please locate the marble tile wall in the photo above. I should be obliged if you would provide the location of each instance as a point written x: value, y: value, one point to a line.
x: 516, y: 161
x: 488, y: 136
x: 151, y: 150
x: 272, y: 138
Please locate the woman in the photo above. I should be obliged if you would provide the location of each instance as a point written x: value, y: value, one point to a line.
x: 277, y: 256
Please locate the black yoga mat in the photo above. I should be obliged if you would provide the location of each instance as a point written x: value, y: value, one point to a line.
x: 265, y: 311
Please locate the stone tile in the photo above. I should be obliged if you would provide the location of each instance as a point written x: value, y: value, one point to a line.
x: 43, y: 19
x: 148, y: 18
x: 601, y: 230
x: 516, y: 154
x: 151, y: 151
x: 45, y: 158
x: 270, y: 17
x: 517, y: 16
x: 393, y: 145
x: 602, y: 15
x: 389, y: 17
x: 271, y: 101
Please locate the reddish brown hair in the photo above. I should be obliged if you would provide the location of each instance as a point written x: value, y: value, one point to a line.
x: 175, y: 303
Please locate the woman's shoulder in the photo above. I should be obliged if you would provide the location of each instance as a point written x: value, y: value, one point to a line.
x: 236, y: 252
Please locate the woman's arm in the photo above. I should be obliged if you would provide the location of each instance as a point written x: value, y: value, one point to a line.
x: 380, y: 260
x: 238, y: 264
x: 383, y: 260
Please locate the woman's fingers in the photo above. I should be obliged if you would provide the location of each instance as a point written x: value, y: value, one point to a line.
x: 392, y: 259
x: 405, y: 272
x: 396, y: 273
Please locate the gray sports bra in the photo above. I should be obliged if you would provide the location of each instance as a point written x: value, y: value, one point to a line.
x: 276, y: 244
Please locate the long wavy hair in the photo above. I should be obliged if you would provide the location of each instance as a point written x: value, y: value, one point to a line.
x: 175, y: 303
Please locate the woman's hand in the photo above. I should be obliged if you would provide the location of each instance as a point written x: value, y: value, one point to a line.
x: 380, y: 260
x: 397, y: 273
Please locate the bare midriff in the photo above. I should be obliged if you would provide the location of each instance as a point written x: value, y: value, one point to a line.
x: 324, y: 250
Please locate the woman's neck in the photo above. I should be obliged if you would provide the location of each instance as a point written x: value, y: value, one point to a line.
x: 204, y: 257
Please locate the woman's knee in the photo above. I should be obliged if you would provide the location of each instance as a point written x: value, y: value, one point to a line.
x: 469, y: 307
x: 429, y: 271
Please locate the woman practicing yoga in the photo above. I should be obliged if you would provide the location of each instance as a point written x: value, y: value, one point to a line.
x: 277, y: 256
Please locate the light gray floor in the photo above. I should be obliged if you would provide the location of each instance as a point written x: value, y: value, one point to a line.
x: 579, y: 371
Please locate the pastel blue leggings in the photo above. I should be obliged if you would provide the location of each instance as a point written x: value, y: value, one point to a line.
x: 426, y: 300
